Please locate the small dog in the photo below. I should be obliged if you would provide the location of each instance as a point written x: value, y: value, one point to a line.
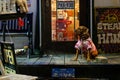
x: 84, y: 44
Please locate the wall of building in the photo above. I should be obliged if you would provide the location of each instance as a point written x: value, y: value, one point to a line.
x: 107, y: 3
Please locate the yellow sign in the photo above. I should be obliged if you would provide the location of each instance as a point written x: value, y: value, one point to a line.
x: 8, y: 54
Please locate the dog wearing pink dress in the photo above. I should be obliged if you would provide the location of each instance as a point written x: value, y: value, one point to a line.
x: 84, y: 44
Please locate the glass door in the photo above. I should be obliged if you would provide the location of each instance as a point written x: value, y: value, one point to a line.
x: 64, y: 19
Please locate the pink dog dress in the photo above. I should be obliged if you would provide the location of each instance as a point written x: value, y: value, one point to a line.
x: 85, y: 45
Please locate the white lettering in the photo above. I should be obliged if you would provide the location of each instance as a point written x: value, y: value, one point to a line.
x: 109, y: 38
x: 108, y: 26
x: 101, y: 38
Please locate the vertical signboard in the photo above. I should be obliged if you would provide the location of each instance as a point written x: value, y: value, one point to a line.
x: 8, y: 54
x: 107, y: 21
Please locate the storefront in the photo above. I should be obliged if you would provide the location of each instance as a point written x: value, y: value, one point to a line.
x: 46, y: 38
x: 60, y: 18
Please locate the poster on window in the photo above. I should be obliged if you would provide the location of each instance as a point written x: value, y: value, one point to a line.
x: 107, y: 21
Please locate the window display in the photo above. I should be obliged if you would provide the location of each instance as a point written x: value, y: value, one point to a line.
x: 84, y: 45
x: 64, y: 20
x: 64, y: 15
x: 67, y: 45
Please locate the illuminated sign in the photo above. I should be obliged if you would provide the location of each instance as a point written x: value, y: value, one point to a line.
x: 65, y: 4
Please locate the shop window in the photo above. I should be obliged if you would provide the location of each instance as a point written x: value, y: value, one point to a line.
x: 64, y: 19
